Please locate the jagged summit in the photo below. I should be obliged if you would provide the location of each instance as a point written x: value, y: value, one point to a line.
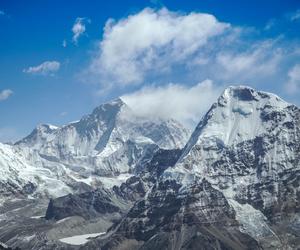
x: 38, y: 134
x: 104, y: 112
x: 114, y: 105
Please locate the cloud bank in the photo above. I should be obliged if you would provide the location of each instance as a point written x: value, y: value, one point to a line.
x: 151, y: 41
x: 5, y: 94
x: 156, y: 45
x: 46, y: 68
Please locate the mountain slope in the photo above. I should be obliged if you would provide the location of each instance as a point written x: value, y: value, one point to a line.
x: 102, y: 148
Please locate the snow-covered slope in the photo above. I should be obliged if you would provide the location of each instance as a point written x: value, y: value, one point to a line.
x: 242, y: 116
x: 109, y: 142
x: 22, y: 178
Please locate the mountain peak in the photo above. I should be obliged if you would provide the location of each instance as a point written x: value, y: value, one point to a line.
x: 41, y: 130
x: 115, y: 102
x: 241, y: 93
x: 113, y: 106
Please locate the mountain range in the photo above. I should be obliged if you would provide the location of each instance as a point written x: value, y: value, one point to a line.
x: 115, y: 180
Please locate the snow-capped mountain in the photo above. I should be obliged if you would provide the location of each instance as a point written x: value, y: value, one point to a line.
x: 102, y: 148
x: 235, y: 186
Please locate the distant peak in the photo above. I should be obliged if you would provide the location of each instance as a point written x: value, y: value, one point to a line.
x: 118, y: 102
x: 40, y: 130
x: 109, y: 108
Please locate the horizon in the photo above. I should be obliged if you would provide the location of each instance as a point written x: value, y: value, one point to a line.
x: 59, y: 63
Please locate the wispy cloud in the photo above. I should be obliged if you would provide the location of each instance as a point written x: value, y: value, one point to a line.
x: 2, y: 13
x: 79, y: 28
x: 5, y: 94
x: 64, y: 43
x: 282, y: 22
x: 260, y: 59
x: 184, y: 103
x: 45, y: 68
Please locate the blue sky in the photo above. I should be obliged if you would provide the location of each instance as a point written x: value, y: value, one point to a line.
x: 58, y: 62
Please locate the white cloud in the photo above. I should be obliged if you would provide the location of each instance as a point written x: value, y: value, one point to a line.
x: 46, y: 68
x: 151, y: 41
x: 4, y: 94
x: 163, y: 46
x: 293, y: 84
x: 79, y: 28
x: 186, y: 104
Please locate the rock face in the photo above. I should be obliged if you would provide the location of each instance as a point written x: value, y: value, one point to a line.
x: 199, y: 218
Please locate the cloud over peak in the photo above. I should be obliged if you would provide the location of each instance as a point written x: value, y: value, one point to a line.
x: 184, y: 103
x: 45, y: 68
